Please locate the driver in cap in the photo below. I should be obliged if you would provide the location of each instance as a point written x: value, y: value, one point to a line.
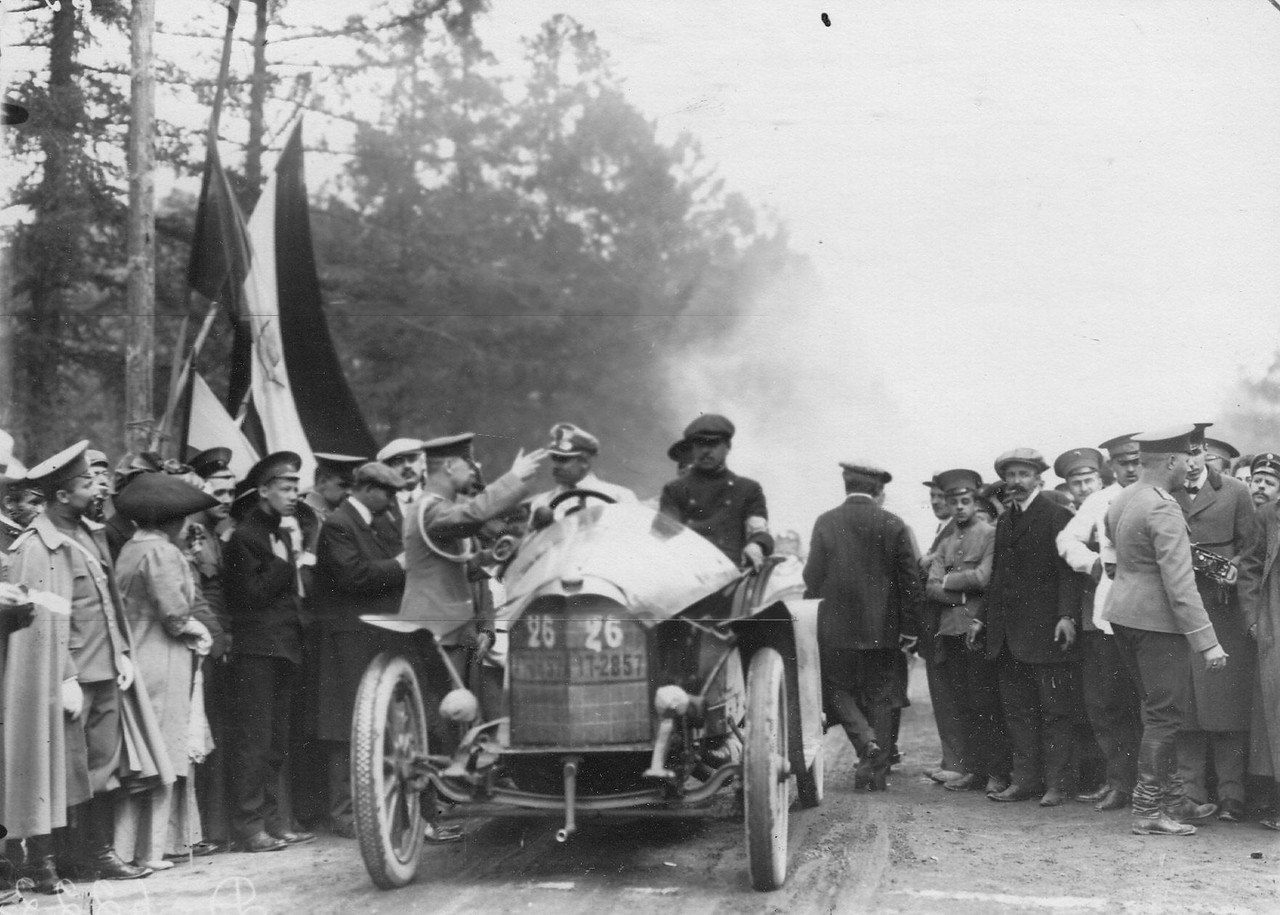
x: 572, y: 451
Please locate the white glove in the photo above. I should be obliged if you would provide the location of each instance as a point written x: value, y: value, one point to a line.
x: 72, y: 697
x: 197, y: 637
x: 125, y: 666
x: 753, y: 555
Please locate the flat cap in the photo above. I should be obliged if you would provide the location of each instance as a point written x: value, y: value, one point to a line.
x: 568, y: 440
x: 1120, y: 444
x: 155, y: 498
x: 1267, y: 462
x: 211, y: 462
x: 398, y: 447
x: 65, y: 465
x: 1224, y: 450
x: 449, y: 446
x: 954, y: 482
x: 96, y: 458
x: 376, y: 473
x: 1171, y: 440
x: 709, y: 426
x: 866, y: 469
x: 280, y: 465
x: 1028, y: 456
x: 1076, y: 461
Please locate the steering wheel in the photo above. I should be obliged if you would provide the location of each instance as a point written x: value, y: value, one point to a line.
x: 579, y: 494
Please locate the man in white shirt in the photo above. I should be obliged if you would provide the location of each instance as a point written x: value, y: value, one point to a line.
x: 572, y: 450
x: 1110, y: 695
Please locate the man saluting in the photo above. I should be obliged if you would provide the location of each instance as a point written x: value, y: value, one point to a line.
x: 1157, y: 612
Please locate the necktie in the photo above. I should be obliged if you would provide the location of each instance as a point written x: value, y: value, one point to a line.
x: 1192, y: 490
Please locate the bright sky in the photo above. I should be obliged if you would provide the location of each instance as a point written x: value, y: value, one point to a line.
x: 1036, y: 224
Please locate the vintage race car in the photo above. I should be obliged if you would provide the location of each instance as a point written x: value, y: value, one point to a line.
x: 644, y: 673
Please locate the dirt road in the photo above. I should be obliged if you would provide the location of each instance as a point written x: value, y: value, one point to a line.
x: 915, y: 848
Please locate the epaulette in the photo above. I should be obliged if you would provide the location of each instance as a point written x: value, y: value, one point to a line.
x: 1164, y: 495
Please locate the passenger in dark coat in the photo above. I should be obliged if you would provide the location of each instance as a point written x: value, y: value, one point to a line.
x: 1030, y: 620
x: 359, y: 570
x: 864, y: 567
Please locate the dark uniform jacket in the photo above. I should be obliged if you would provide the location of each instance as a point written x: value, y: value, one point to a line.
x: 356, y: 568
x: 717, y: 506
x: 261, y: 584
x: 863, y: 566
x: 1031, y: 587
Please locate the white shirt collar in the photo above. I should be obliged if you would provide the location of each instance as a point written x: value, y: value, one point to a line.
x: 1031, y: 498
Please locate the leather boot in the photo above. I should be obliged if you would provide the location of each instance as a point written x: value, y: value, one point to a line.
x: 1177, y: 806
x: 864, y: 774
x: 1149, y: 818
x: 102, y: 857
x: 42, y: 866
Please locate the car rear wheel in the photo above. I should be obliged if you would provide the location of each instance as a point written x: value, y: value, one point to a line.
x: 809, y: 783
x: 388, y: 734
x: 765, y: 775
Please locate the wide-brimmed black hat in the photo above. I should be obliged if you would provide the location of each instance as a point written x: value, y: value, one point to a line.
x: 154, y: 498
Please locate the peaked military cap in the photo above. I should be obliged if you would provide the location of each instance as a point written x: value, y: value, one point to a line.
x: 568, y: 440
x: 96, y: 458
x: 376, y: 473
x: 159, y: 497
x: 1077, y: 460
x: 709, y: 426
x: 932, y: 483
x: 681, y: 452
x: 1222, y: 449
x: 211, y: 462
x: 344, y: 465
x: 67, y: 464
x: 399, y: 447
x: 1197, y: 437
x: 1170, y: 440
x: 449, y: 446
x: 954, y: 482
x: 280, y: 465
x: 1028, y: 456
x: 1125, y: 443
x: 1267, y: 462
x: 866, y: 469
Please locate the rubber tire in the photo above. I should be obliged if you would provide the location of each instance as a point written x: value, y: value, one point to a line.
x: 809, y: 783
x: 766, y: 796
x: 391, y: 861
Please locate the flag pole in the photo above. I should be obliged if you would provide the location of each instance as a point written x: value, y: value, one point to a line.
x: 180, y: 382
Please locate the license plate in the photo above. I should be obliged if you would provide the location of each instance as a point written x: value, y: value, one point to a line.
x: 578, y: 648
x: 607, y: 665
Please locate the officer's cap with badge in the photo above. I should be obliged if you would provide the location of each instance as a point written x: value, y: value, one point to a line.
x: 447, y: 446
x: 1078, y: 462
x: 959, y: 481
x: 1121, y: 444
x: 1028, y: 456
x: 567, y: 440
x: 280, y: 465
x: 399, y: 447
x: 157, y: 498
x: 1267, y: 462
x: 342, y: 466
x: 212, y: 462
x: 1227, y: 452
x: 865, y: 471
x: 375, y: 473
x: 1171, y: 440
x: 64, y: 466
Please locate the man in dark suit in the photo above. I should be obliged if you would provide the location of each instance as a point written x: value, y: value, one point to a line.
x: 1029, y: 622
x: 359, y: 570
x: 1220, y: 517
x: 264, y: 596
x: 863, y: 566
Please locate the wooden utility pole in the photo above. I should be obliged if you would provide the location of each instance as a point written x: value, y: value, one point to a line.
x: 141, y: 344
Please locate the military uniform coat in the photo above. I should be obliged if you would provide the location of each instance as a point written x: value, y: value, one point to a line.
x: 1155, y: 586
x: 717, y: 506
x: 959, y: 572
x: 261, y: 585
x: 1221, y: 518
x: 1259, y: 589
x: 46, y: 762
x: 1031, y: 588
x: 356, y: 573
x: 437, y: 589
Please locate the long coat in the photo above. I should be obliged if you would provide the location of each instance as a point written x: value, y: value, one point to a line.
x: 437, y: 591
x: 1221, y: 518
x: 1259, y: 589
x: 46, y: 763
x: 1031, y: 587
x: 864, y: 568
x: 160, y: 597
x: 356, y: 573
